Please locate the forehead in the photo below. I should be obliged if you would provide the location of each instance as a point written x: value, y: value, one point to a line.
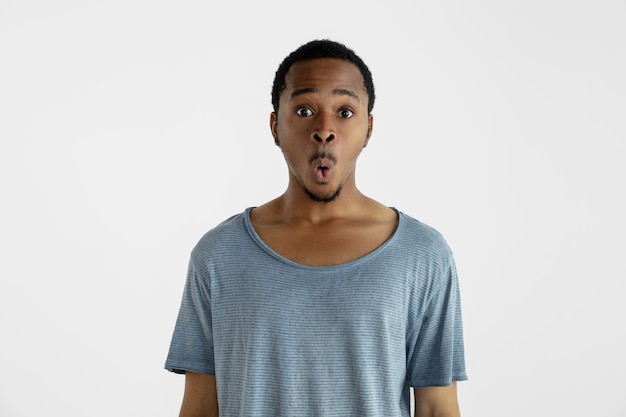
x: 325, y: 74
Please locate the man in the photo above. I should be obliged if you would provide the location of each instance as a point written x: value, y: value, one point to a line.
x: 321, y: 302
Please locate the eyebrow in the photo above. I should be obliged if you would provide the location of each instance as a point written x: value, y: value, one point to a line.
x: 348, y: 93
x: 337, y: 91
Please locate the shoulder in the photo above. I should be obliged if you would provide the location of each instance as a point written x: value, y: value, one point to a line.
x: 422, y: 238
x: 221, y: 237
x: 426, y: 252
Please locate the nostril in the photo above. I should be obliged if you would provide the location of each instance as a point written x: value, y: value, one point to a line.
x: 319, y: 139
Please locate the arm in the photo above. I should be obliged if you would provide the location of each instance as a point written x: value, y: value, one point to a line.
x: 200, y: 397
x: 437, y: 402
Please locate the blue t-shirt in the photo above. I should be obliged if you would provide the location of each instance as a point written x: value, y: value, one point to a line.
x: 285, y: 339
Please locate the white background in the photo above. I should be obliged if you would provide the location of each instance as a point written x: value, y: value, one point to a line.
x: 129, y: 128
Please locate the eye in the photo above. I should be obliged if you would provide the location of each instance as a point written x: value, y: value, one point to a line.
x: 345, y: 113
x: 304, y: 112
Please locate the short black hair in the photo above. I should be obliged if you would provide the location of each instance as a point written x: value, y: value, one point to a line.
x: 319, y: 49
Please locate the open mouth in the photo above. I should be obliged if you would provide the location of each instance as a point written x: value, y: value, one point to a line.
x: 322, y: 164
x: 322, y: 173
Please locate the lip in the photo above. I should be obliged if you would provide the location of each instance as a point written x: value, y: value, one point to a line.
x: 322, y: 169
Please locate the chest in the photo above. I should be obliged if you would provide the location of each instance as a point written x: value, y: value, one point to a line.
x: 299, y: 306
x: 326, y: 245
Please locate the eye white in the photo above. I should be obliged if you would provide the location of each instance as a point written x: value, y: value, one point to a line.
x: 345, y: 113
x: 304, y: 112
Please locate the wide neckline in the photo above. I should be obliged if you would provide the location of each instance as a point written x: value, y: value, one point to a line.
x: 261, y: 243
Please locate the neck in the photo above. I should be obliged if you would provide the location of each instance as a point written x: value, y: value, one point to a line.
x: 296, y: 204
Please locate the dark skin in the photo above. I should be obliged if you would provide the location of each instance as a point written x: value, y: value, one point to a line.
x: 322, y: 219
x: 323, y: 110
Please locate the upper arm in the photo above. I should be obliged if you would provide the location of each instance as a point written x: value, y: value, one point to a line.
x: 200, y: 397
x: 437, y: 402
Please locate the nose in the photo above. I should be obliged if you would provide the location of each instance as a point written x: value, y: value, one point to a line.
x: 324, y: 131
x: 320, y: 139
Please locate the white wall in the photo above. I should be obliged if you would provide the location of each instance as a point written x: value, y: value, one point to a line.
x: 129, y: 128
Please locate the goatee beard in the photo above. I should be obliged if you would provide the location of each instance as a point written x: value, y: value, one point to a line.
x: 324, y: 200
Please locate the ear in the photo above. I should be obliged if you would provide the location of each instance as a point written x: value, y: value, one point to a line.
x: 370, y: 126
x: 274, y: 127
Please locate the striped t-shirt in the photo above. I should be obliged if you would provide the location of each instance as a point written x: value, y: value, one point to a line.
x: 285, y: 339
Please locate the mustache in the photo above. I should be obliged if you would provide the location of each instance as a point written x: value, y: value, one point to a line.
x: 322, y: 155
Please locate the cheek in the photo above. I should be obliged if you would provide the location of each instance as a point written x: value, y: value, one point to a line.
x: 288, y: 130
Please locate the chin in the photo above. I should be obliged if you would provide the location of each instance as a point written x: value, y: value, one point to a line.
x: 327, y: 198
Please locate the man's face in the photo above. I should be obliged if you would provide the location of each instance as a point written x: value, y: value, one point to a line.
x: 322, y: 125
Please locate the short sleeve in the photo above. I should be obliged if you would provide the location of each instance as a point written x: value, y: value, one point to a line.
x: 191, y: 348
x: 436, y: 352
